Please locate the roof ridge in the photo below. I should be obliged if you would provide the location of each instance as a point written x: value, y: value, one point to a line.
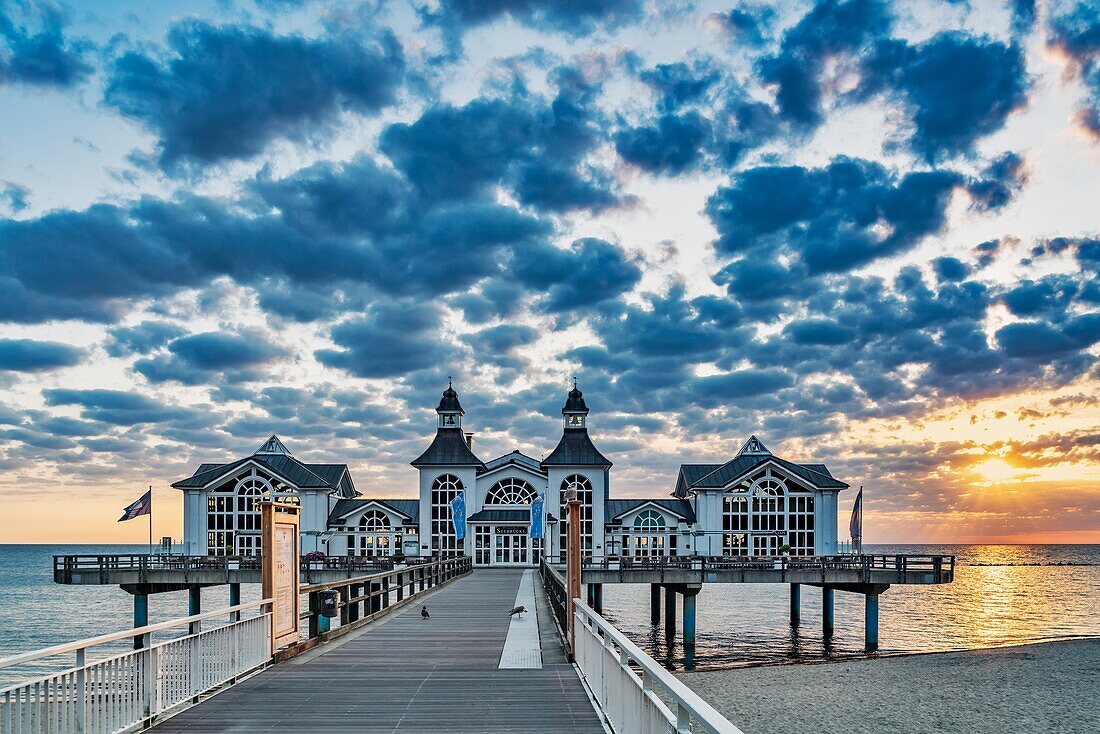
x: 305, y: 468
x: 762, y: 457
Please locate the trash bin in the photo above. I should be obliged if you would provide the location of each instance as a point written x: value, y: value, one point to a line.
x: 330, y: 603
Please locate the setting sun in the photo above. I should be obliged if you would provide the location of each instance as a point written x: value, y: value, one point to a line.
x: 996, y: 470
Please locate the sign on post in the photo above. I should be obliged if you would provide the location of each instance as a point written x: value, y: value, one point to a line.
x: 279, y: 525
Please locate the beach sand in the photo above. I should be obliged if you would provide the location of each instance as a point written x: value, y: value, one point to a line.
x: 1048, y: 687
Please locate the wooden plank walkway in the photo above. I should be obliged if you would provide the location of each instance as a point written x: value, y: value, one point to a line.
x: 405, y: 674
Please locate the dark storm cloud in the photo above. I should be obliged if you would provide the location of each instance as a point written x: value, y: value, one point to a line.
x: 834, y: 218
x: 224, y: 92
x: 672, y: 145
x: 533, y: 145
x: 28, y: 355
x: 1074, y: 31
x: 389, y: 340
x: 209, y: 357
x: 34, y: 50
x: 573, y: 17
x: 120, y: 408
x: 829, y: 29
x: 590, y: 271
x: 142, y: 338
x: 956, y: 88
x: 746, y: 25
x: 1045, y: 341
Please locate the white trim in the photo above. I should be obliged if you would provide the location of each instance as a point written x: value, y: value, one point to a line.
x: 511, y: 464
x: 772, y: 464
x: 367, y: 504
x: 641, y: 506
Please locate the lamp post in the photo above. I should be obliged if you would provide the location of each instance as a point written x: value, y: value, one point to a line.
x: 553, y: 523
x: 572, y: 564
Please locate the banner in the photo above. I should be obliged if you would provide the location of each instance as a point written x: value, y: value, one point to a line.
x: 536, y: 516
x: 855, y: 527
x: 458, y: 515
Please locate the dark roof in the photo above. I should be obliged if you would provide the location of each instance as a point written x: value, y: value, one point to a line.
x: 449, y: 402
x: 575, y: 449
x: 815, y: 474
x: 618, y: 507
x: 449, y: 448
x: 273, y: 446
x: 574, y: 402
x: 501, y: 516
x: 692, y: 473
x: 303, y: 476
x: 517, y: 458
x: 408, y: 508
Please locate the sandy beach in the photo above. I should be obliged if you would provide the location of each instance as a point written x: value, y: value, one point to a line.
x: 1048, y: 687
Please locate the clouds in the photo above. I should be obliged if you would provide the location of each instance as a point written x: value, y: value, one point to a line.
x: 1075, y: 32
x: 34, y: 50
x: 209, y: 357
x: 27, y: 355
x: 391, y: 339
x: 224, y: 92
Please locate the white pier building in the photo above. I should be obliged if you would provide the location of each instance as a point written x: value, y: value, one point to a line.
x: 755, y: 504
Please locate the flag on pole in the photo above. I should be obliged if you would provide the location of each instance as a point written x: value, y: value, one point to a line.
x: 855, y: 527
x: 143, y: 505
x: 536, y: 516
x: 458, y: 515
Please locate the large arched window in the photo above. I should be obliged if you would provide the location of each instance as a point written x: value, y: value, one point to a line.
x: 510, y: 491
x: 375, y: 534
x: 233, y: 514
x: 444, y: 489
x: 649, y: 534
x: 584, y: 495
x: 765, y: 512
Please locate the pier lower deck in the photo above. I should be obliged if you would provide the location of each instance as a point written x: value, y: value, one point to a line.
x: 406, y: 674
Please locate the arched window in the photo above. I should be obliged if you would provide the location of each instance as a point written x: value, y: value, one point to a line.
x: 650, y: 520
x: 375, y: 535
x: 583, y: 489
x: 444, y: 489
x: 510, y: 491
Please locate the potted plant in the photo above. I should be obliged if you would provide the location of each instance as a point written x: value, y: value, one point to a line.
x: 785, y: 550
x: 316, y: 559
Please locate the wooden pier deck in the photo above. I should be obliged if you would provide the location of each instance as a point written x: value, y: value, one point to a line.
x: 406, y: 674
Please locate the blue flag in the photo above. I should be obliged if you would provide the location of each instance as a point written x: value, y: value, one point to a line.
x: 458, y: 515
x: 855, y: 527
x: 141, y: 506
x: 536, y: 516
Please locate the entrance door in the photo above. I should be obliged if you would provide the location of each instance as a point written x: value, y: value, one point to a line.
x: 765, y: 545
x: 247, y: 545
x: 482, y: 547
x: 510, y: 550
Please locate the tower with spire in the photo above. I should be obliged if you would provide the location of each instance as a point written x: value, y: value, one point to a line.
x: 576, y: 462
x: 446, y: 467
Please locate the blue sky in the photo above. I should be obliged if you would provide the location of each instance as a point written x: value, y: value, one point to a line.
x: 865, y: 231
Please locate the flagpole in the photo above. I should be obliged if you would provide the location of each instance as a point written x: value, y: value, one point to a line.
x: 150, y: 518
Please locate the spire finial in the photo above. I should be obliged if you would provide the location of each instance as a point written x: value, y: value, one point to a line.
x: 574, y: 382
x: 448, y: 381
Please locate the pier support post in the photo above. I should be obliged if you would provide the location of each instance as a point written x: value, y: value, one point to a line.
x: 194, y: 606
x: 827, y: 612
x: 796, y: 605
x: 870, y: 622
x: 689, y: 619
x: 654, y: 603
x: 670, y: 614
x: 141, y: 617
x: 235, y: 601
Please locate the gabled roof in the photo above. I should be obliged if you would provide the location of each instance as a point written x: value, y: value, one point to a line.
x: 517, y: 458
x: 614, y: 509
x: 333, y: 477
x: 575, y: 449
x: 694, y: 477
x: 448, y: 448
x: 405, y: 507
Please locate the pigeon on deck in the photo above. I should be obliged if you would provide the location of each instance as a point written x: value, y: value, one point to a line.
x: 517, y: 610
x: 424, y: 612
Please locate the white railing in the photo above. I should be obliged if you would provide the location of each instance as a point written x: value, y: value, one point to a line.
x: 127, y: 691
x: 622, y: 679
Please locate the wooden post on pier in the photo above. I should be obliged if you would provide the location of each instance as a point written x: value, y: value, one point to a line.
x: 573, y: 564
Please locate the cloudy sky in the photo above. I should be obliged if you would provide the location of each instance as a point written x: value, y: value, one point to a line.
x: 864, y: 231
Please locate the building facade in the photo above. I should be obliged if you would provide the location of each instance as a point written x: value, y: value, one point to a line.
x: 755, y: 504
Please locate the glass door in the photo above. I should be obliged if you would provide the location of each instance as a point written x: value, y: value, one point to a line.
x: 510, y: 550
x: 765, y: 545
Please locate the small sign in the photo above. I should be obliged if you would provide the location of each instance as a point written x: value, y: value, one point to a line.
x: 511, y: 530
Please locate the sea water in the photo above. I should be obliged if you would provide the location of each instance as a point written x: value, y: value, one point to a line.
x: 1002, y: 594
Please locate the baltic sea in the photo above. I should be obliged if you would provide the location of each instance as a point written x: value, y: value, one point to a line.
x: 1002, y: 595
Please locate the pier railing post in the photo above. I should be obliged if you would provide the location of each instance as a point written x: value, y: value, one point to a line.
x: 81, y: 691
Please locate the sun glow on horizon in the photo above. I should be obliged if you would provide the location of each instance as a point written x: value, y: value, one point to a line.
x: 997, y: 470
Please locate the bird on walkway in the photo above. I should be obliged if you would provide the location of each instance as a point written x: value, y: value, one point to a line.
x: 517, y: 610
x: 424, y: 612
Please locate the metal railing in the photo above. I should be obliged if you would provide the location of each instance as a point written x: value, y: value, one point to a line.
x: 65, y: 567
x: 631, y: 688
x: 937, y: 564
x: 365, y: 596
x: 125, y: 691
